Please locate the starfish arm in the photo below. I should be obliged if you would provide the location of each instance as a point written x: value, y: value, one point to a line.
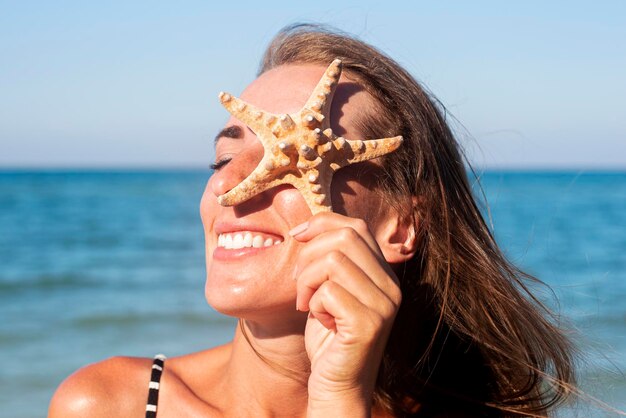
x: 257, y: 182
x: 317, y: 207
x: 322, y: 97
x: 256, y: 119
x: 301, y: 149
x: 316, y: 190
x: 373, y: 148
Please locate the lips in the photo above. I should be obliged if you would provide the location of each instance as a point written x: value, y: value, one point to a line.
x: 246, y: 239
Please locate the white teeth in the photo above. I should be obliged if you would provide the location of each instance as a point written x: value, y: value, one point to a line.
x: 257, y: 242
x: 238, y: 241
x: 247, y: 240
x: 242, y: 239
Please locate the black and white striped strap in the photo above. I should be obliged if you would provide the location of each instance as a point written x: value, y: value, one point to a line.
x: 153, y: 392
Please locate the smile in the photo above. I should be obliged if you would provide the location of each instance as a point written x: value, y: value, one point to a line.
x: 244, y: 239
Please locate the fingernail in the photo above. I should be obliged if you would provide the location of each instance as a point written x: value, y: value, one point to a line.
x: 299, y: 229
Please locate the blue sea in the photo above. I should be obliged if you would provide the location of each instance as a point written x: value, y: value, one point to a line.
x: 100, y: 263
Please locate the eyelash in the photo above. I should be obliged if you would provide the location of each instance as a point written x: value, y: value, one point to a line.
x: 220, y: 163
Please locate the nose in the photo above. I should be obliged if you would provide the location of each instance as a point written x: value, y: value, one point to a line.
x: 231, y: 174
x: 221, y: 182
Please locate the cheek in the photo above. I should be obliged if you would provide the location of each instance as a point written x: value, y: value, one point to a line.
x: 289, y: 202
x: 206, y: 202
x: 353, y: 195
x: 357, y: 202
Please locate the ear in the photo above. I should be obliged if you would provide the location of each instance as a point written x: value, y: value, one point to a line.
x: 397, y: 236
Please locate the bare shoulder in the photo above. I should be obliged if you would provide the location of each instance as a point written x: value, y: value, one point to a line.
x: 200, y: 373
x: 201, y: 365
x: 117, y: 386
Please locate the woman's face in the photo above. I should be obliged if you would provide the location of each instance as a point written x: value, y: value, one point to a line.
x: 257, y: 281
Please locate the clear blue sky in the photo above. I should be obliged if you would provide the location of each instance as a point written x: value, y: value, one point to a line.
x: 135, y: 83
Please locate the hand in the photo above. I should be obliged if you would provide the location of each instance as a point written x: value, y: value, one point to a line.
x: 352, y: 296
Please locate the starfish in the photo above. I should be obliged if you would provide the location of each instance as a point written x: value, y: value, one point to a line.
x: 301, y: 149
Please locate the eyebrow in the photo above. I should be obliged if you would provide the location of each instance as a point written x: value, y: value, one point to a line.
x: 234, y: 132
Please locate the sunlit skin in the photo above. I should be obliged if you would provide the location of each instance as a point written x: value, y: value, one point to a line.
x: 319, y: 306
x: 233, y: 277
x: 258, y: 284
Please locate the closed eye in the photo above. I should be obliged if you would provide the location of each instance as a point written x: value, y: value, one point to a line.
x: 220, y: 163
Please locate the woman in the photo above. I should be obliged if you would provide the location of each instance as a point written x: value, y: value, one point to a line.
x: 398, y: 304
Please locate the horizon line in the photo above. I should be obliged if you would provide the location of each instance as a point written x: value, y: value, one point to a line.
x: 198, y: 168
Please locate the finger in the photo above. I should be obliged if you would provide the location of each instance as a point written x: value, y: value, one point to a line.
x: 348, y: 242
x: 326, y: 319
x: 336, y: 267
x: 349, y: 316
x: 327, y: 221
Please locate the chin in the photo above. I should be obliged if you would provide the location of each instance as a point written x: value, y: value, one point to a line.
x: 249, y: 298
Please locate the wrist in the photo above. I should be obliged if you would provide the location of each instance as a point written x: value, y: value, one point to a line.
x: 355, y: 405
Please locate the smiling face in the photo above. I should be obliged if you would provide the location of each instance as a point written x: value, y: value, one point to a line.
x: 249, y: 254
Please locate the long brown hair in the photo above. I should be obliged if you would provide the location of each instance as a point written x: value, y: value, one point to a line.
x: 469, y: 336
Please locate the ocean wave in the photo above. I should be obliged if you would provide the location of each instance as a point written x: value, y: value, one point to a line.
x: 49, y: 282
x: 142, y: 318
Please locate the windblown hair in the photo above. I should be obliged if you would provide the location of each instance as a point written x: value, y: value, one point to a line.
x: 469, y: 337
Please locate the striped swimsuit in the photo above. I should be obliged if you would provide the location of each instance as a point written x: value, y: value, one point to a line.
x: 153, y: 392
